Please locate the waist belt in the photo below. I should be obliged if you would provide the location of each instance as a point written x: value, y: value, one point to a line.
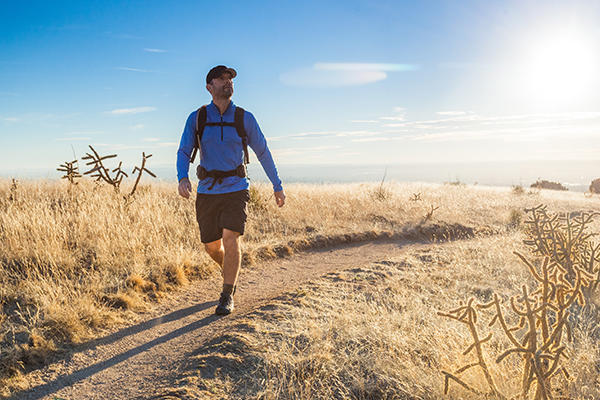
x: 218, y: 176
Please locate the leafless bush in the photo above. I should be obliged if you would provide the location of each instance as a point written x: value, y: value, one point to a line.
x: 13, y: 190
x: 544, y: 184
x: 543, y: 326
x: 71, y: 170
x: 140, y: 171
x: 416, y: 197
x: 100, y: 172
x: 595, y: 186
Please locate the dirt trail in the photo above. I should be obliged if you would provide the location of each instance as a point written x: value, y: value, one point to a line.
x: 132, y: 362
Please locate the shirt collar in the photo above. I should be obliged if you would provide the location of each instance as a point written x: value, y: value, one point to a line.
x: 215, y: 109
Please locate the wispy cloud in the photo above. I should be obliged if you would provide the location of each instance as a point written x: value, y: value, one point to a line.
x: 77, y: 135
x: 315, y: 148
x: 324, y: 78
x: 399, y: 118
x: 313, y: 135
x: 155, y: 50
x: 145, y: 146
x: 342, y: 74
x: 138, y: 126
x: 137, y: 110
x: 151, y: 139
x: 37, y: 118
x: 139, y: 70
x: 378, y: 139
x: 548, y: 118
x: 84, y: 133
x: 365, y: 67
x: 455, y: 130
x: 123, y: 36
x: 302, y: 150
x: 451, y: 113
x: 511, y: 132
x: 366, y: 121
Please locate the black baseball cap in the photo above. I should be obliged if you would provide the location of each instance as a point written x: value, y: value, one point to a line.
x: 218, y: 71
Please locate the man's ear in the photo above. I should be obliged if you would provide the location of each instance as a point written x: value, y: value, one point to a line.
x: 208, y: 87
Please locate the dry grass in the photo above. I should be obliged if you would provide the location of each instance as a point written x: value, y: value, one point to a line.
x: 388, y: 343
x: 75, y: 261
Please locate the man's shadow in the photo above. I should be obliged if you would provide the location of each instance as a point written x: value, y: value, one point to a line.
x: 62, y: 382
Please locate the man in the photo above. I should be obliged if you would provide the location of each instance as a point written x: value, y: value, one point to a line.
x: 221, y: 203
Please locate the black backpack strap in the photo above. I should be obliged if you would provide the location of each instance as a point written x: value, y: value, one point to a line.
x: 239, y: 126
x: 200, y: 125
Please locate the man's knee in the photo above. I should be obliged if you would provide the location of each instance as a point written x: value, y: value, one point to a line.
x: 213, y: 248
x: 230, y: 239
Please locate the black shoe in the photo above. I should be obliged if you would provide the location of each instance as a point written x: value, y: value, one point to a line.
x: 225, y: 304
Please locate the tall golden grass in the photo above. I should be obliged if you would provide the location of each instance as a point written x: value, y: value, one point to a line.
x: 374, y: 333
x: 77, y: 260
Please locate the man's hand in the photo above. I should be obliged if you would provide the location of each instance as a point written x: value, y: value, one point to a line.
x: 280, y: 198
x: 185, y: 188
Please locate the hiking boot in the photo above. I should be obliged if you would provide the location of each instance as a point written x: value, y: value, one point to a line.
x: 225, y: 304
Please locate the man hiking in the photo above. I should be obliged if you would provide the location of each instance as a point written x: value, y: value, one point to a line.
x: 220, y: 134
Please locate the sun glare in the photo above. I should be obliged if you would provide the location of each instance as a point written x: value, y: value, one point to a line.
x: 560, y: 68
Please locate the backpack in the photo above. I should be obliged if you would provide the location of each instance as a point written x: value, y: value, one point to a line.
x: 238, y: 123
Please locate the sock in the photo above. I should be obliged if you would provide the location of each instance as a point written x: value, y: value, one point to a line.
x: 228, y: 289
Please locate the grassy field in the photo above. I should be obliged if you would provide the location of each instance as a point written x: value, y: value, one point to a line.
x: 77, y: 261
x: 389, y: 342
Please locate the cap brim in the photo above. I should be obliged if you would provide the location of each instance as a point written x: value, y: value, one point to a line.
x: 231, y: 71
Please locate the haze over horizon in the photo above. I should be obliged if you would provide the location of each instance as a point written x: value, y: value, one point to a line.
x: 336, y: 82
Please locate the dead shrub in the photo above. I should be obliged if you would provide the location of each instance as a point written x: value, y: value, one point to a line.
x: 544, y: 184
x: 595, y: 186
x: 536, y: 325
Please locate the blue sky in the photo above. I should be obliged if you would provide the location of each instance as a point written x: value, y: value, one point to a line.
x: 347, y: 81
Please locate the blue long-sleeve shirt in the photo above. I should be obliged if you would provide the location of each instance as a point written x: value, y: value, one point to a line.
x: 222, y: 150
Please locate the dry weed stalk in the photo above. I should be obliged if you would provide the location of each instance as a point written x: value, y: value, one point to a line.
x: 71, y: 171
x: 467, y: 314
x: 416, y: 197
x: 14, y: 187
x: 100, y: 172
x: 429, y: 214
x: 140, y: 171
x: 564, y: 239
x: 382, y: 193
x: 543, y: 327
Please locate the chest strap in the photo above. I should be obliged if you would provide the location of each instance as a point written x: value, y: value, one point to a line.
x: 238, y: 124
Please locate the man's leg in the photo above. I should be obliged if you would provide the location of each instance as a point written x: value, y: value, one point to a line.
x: 226, y: 252
x: 232, y: 257
x: 215, y: 251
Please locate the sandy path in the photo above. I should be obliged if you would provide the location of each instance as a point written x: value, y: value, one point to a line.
x: 132, y: 362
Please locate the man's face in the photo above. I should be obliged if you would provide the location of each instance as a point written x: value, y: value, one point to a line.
x: 221, y: 87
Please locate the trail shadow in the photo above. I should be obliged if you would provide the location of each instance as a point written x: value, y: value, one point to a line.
x: 62, y: 382
x: 163, y: 319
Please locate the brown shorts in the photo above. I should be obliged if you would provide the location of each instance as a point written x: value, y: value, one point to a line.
x: 215, y: 212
